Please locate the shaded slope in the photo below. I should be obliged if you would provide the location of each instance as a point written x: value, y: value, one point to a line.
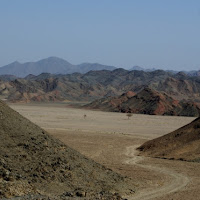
x: 181, y: 86
x: 183, y: 144
x: 7, y: 77
x: 147, y: 101
x: 33, y: 162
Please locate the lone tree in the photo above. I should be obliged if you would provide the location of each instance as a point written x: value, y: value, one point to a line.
x: 129, y: 115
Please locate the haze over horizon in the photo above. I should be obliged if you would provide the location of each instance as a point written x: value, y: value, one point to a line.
x: 136, y: 67
x: 149, y: 34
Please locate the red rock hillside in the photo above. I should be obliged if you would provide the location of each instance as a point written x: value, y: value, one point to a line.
x: 112, y: 104
x: 147, y: 101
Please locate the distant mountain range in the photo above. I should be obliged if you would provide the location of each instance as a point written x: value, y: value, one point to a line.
x: 55, y: 65
x: 51, y: 65
x: 190, y: 73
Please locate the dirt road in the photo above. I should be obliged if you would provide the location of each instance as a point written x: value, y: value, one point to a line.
x: 178, y: 182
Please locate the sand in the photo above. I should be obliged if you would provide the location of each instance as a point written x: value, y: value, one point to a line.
x: 111, y: 139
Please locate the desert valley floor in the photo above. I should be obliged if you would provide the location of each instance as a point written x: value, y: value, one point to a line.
x: 111, y: 139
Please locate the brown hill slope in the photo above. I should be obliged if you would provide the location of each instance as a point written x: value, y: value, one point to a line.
x: 112, y: 104
x: 33, y: 162
x: 148, y: 101
x: 183, y: 144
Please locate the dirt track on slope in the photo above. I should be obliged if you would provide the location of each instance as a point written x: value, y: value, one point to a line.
x: 179, y: 180
x: 110, y: 139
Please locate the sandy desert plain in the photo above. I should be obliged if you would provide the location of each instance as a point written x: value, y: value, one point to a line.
x: 111, y: 139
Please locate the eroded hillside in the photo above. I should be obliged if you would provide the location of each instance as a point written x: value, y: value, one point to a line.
x: 34, y: 163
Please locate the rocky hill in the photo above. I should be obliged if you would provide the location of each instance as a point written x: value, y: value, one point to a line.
x: 98, y: 84
x: 147, y: 101
x: 182, y: 144
x: 52, y: 65
x: 34, y: 165
x: 112, y: 104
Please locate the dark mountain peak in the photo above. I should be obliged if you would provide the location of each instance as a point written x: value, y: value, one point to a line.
x: 137, y: 72
x: 120, y: 71
x: 181, y: 74
x: 30, y: 76
x: 160, y: 72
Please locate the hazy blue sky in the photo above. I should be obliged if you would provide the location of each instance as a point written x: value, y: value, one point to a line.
x: 149, y: 33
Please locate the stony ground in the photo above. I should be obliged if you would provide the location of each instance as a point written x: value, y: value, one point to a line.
x: 32, y: 162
